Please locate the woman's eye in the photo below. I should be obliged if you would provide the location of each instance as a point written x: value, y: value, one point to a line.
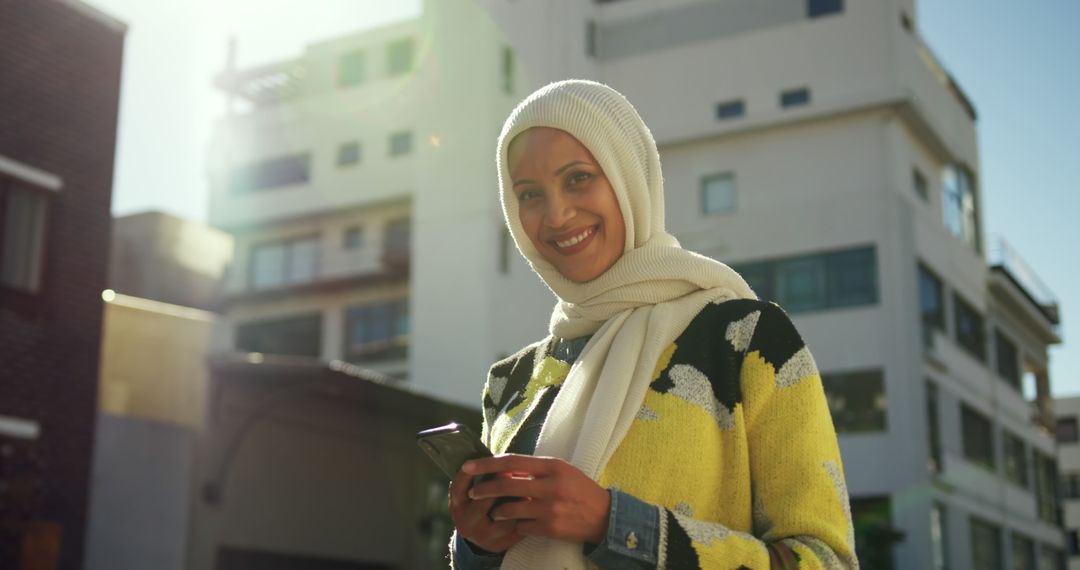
x: 528, y: 195
x: 578, y: 178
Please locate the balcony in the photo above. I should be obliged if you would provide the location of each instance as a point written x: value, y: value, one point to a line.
x: 264, y: 85
x: 1012, y: 279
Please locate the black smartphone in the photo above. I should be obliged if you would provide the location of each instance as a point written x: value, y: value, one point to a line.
x: 450, y: 446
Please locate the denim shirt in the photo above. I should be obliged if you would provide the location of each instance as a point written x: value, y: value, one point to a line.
x: 633, y: 534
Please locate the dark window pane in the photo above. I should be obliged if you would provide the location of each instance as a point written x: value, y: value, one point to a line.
x: 935, y: 465
x: 970, y: 330
x: 348, y: 154
x: 1023, y: 552
x: 856, y: 400
x: 730, y: 109
x: 718, y: 193
x: 1016, y: 462
x: 1008, y: 361
x: 22, y: 236
x: 918, y: 181
x: 978, y: 438
x: 801, y: 283
x: 377, y: 331
x: 986, y: 545
x: 1046, y: 491
x: 295, y: 335
x: 272, y: 173
x: 874, y: 532
x: 1067, y: 430
x: 760, y: 278
x: 507, y: 69
x: 400, y: 143
x: 815, y: 8
x: 852, y: 277
x: 795, y: 97
x: 351, y: 68
x: 931, y: 299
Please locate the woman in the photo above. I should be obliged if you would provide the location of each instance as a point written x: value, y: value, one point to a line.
x: 670, y: 419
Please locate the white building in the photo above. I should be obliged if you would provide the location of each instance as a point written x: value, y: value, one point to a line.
x: 361, y: 189
x: 1068, y: 437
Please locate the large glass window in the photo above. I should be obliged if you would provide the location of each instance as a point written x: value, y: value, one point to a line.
x: 718, y: 193
x: 283, y: 263
x: 399, y: 57
x: 22, y: 236
x: 978, y: 437
x: 299, y: 335
x: 1008, y: 360
x: 986, y: 545
x: 958, y: 204
x: 1016, y: 461
x: 856, y: 400
x: 351, y: 68
x: 1023, y: 552
x: 970, y: 329
x: 812, y: 282
x: 377, y: 331
x: 272, y: 173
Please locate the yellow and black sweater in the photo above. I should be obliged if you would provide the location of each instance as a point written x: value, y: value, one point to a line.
x: 733, y: 442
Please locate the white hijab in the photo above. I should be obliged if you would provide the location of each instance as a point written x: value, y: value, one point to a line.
x: 636, y: 309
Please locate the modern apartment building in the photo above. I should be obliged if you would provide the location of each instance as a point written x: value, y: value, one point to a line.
x: 60, y: 67
x: 1068, y: 437
x: 818, y: 146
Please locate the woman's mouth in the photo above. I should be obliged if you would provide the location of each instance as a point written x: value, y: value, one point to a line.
x: 576, y: 242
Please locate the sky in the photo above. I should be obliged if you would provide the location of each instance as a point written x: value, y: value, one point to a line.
x: 1011, y: 58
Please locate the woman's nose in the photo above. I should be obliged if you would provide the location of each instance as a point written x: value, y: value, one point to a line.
x: 559, y: 210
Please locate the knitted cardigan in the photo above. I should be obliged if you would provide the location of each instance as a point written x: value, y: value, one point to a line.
x: 733, y: 443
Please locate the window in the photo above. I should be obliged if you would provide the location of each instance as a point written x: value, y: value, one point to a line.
x: 400, y: 143
x: 730, y: 109
x: 507, y: 69
x: 874, y: 533
x: 397, y: 239
x: 1008, y: 361
x: 1073, y: 538
x: 23, y: 213
x: 1067, y: 430
x: 1046, y: 491
x: 399, y: 57
x: 970, y: 331
x: 1070, y: 485
x: 934, y: 428
x: 354, y: 237
x: 294, y: 335
x: 1016, y: 462
x: 795, y: 97
x: 1052, y: 558
x: 958, y: 204
x: 351, y: 68
x: 282, y: 263
x: 931, y: 299
x: 856, y: 400
x: 820, y: 281
x: 272, y: 173
x: 718, y: 193
x: 348, y: 154
x: 815, y: 8
x: 1023, y: 552
x: 939, y: 536
x: 918, y: 182
x: 377, y: 331
x: 590, y: 38
x: 985, y: 545
x: 978, y: 437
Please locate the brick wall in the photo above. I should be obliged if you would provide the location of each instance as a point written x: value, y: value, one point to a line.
x: 59, y: 90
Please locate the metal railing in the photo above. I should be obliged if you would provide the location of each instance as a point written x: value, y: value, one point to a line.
x: 1002, y: 255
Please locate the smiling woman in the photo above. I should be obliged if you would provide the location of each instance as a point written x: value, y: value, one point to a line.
x: 670, y: 419
x: 566, y: 205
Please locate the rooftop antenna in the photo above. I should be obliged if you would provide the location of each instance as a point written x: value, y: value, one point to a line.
x: 230, y: 71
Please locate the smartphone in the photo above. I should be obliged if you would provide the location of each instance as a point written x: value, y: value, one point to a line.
x: 450, y: 446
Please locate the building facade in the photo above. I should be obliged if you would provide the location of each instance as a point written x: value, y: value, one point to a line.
x: 829, y: 122
x: 60, y: 65
x: 1068, y: 436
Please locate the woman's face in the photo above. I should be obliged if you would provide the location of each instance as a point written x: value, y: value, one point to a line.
x: 565, y: 203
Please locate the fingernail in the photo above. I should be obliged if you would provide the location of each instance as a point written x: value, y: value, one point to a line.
x: 472, y: 494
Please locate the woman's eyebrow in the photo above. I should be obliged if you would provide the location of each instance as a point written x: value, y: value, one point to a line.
x: 559, y: 171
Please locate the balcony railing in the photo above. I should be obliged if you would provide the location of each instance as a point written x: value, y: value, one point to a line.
x: 1004, y: 258
x: 266, y: 84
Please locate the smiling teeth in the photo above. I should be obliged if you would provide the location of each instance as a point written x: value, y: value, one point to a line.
x: 576, y: 239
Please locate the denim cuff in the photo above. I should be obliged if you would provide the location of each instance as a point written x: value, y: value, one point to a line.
x: 633, y: 536
x: 467, y: 559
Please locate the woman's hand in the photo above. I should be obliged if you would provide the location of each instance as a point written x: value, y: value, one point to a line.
x: 561, y: 501
x: 471, y: 520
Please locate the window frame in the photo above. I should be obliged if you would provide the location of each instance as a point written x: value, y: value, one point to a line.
x: 972, y: 448
x: 349, y: 77
x: 344, y: 158
x: 976, y: 347
x: 704, y: 188
x: 870, y: 420
x: 26, y: 300
x: 393, y: 149
x: 795, y: 97
x: 287, y: 244
x: 392, y: 64
x: 394, y: 346
x: 730, y: 109
x: 304, y: 318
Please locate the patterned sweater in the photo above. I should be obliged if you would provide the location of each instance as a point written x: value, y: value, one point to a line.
x: 733, y: 444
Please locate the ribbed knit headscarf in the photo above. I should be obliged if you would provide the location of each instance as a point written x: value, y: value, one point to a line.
x: 636, y: 309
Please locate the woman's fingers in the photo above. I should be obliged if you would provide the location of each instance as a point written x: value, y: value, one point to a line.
x: 512, y: 463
